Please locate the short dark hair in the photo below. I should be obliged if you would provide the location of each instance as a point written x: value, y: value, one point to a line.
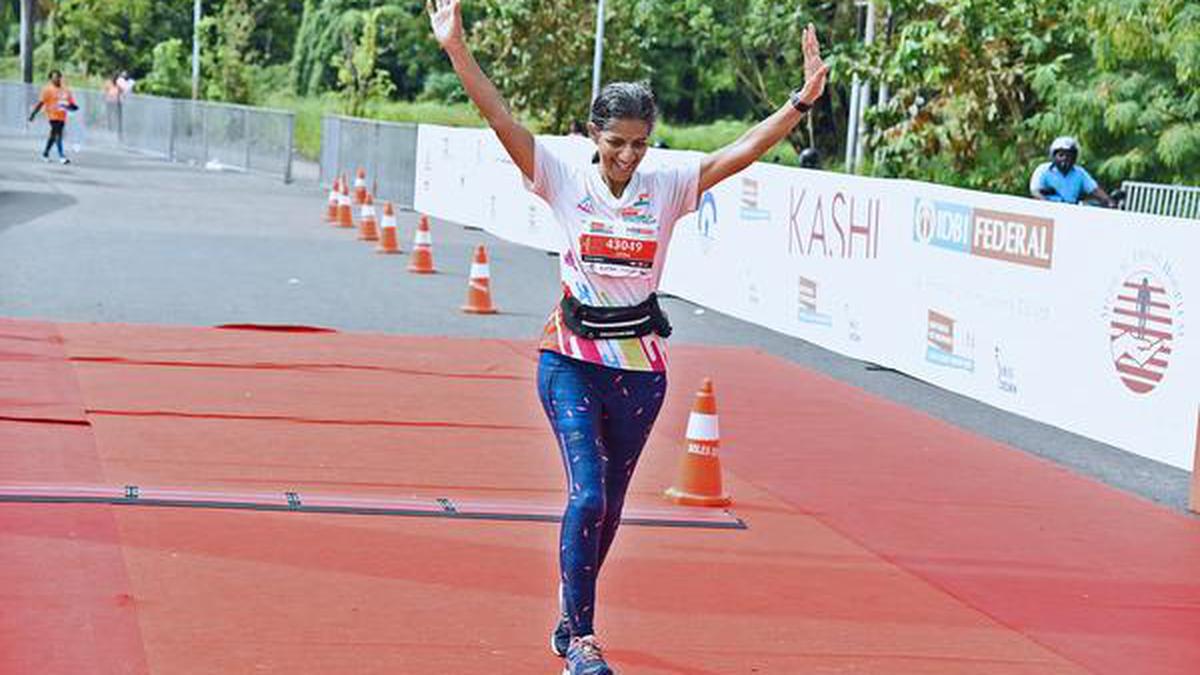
x: 54, y: 72
x: 624, y: 100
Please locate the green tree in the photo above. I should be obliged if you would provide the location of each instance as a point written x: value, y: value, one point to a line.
x: 540, y: 54
x: 407, y: 50
x: 276, y: 24
x: 960, y: 95
x: 713, y: 59
x: 170, y: 74
x: 693, y: 76
x: 1133, y: 97
x: 227, y: 54
x: 106, y: 36
x: 359, y: 76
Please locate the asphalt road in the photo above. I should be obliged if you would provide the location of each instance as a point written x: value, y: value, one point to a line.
x: 117, y: 237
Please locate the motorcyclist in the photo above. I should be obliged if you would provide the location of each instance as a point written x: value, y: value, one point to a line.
x: 1061, y: 180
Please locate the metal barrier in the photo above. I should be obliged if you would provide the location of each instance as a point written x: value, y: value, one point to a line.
x: 386, y: 150
x: 213, y: 135
x: 1162, y: 200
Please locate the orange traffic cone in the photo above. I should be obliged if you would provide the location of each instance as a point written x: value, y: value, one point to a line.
x: 699, y: 481
x: 422, y: 255
x: 345, y: 211
x: 331, y: 211
x: 479, y: 288
x: 360, y: 186
x: 389, y: 242
x: 368, y: 229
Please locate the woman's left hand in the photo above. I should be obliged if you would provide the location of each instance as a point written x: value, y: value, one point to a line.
x: 816, y: 72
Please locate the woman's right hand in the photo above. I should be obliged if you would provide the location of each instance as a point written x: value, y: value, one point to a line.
x: 446, y: 19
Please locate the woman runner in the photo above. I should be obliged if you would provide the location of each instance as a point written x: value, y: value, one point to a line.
x: 602, y: 367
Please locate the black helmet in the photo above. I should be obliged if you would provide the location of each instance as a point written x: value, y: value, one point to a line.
x: 810, y: 158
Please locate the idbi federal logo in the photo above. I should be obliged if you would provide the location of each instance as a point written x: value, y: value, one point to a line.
x: 944, y: 347
x: 1144, y: 314
x: 1010, y: 237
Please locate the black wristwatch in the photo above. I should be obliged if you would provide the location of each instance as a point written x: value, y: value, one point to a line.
x: 799, y: 103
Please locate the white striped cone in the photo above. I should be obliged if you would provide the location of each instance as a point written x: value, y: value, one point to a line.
x: 389, y: 239
x: 345, y: 210
x: 479, y: 288
x: 367, y: 226
x: 422, y: 255
x: 699, y: 482
x: 360, y: 186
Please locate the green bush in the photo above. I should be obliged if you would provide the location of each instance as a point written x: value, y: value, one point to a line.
x: 170, y: 74
x: 443, y: 88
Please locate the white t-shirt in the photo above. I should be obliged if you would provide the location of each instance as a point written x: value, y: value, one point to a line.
x: 616, y: 247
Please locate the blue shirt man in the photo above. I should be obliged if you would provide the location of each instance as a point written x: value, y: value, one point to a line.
x: 1069, y: 187
x: 1060, y: 180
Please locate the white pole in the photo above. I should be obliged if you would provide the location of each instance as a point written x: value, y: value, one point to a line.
x: 852, y: 124
x: 864, y: 101
x: 196, y: 50
x: 27, y: 41
x: 598, y: 60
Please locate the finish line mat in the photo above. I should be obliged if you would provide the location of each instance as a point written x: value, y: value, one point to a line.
x: 668, y: 515
x: 880, y: 540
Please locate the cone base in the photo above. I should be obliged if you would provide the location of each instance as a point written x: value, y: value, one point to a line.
x: 688, y: 499
x: 367, y: 237
x: 415, y: 270
x: 480, y: 310
x: 386, y: 252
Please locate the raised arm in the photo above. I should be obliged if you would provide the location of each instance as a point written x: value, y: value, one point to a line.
x: 447, y: 22
x: 743, y: 152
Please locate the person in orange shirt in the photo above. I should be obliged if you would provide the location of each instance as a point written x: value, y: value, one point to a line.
x: 56, y: 100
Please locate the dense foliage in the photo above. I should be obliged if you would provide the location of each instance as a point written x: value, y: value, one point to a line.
x: 975, y: 88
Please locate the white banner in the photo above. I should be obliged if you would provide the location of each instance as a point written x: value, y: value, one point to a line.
x: 1073, y: 316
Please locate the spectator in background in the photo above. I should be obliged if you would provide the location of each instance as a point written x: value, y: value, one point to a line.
x: 1060, y: 180
x: 577, y: 129
x: 112, y: 103
x: 125, y: 83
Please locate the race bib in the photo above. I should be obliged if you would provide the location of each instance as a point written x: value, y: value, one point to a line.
x: 618, y: 249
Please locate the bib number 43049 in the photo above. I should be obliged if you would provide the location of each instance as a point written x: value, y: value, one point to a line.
x: 619, y: 251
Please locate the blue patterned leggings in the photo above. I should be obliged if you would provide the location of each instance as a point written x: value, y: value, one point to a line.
x: 602, y: 417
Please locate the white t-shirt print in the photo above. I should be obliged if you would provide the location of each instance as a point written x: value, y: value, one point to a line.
x: 616, y: 247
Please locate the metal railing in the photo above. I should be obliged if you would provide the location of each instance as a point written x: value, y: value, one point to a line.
x: 387, y: 151
x: 1162, y: 200
x: 212, y: 135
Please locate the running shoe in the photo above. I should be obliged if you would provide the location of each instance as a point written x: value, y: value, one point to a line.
x: 45, y: 158
x: 64, y: 160
x: 584, y: 657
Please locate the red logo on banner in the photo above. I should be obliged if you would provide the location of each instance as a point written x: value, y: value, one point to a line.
x: 1141, y: 328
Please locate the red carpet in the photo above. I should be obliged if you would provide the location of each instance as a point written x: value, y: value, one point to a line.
x: 879, y: 540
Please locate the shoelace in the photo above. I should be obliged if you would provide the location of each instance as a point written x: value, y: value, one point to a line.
x: 589, y: 651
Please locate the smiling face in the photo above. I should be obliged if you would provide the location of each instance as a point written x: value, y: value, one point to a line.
x: 621, y: 146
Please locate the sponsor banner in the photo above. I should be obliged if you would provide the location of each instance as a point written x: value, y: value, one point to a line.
x: 806, y: 253
x: 1072, y: 316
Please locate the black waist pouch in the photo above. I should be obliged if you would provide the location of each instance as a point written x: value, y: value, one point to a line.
x: 608, y: 323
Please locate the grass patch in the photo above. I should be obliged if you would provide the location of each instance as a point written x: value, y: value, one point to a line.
x: 310, y: 110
